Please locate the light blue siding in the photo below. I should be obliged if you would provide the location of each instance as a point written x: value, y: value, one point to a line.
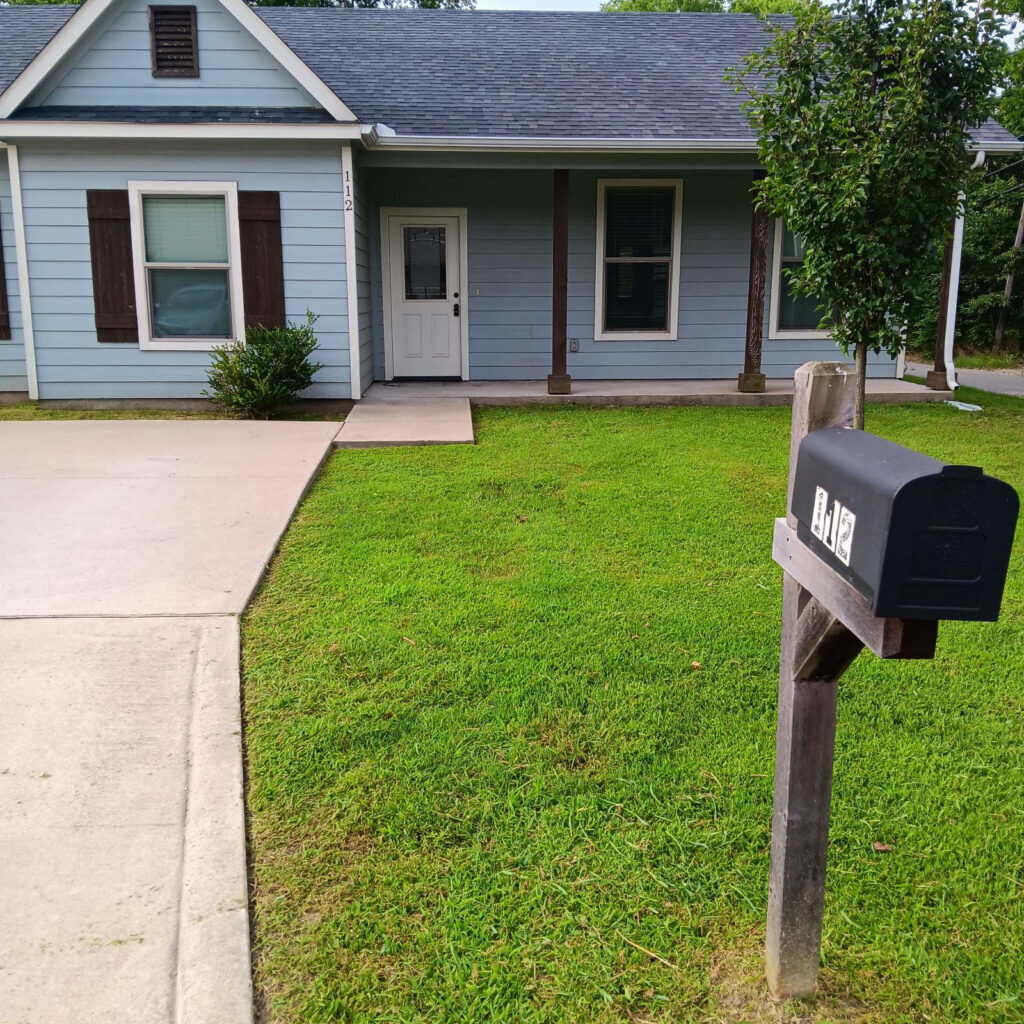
x: 111, y: 67
x: 12, y: 352
x: 509, y: 301
x: 55, y: 177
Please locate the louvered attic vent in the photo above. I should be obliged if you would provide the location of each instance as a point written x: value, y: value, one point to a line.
x: 173, y: 42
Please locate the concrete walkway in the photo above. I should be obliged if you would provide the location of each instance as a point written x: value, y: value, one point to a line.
x: 129, y: 550
x: 376, y: 422
x: 1001, y: 382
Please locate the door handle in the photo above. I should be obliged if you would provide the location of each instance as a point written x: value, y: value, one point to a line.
x: 456, y: 310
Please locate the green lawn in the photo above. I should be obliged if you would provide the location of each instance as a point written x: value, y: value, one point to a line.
x: 23, y: 411
x: 31, y: 411
x: 510, y: 716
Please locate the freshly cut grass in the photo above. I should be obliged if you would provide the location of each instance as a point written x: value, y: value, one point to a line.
x: 510, y: 716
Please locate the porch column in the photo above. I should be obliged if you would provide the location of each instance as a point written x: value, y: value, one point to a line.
x: 938, y: 378
x: 559, y: 381
x: 752, y: 379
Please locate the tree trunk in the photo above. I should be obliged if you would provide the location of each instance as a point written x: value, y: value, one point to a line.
x: 861, y: 363
x: 1004, y: 313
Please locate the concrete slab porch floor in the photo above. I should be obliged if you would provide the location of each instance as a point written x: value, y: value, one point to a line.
x: 625, y: 392
x: 129, y: 550
x: 428, y: 412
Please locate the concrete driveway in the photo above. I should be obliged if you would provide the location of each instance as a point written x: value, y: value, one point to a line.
x: 129, y: 549
x: 1001, y: 382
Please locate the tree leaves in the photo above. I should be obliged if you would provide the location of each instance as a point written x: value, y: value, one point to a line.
x: 862, y: 112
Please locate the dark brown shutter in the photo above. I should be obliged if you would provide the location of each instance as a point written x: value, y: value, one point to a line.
x: 259, y: 230
x: 5, y: 310
x: 173, y: 42
x: 113, y: 277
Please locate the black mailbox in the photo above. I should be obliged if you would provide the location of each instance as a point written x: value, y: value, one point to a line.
x: 920, y: 539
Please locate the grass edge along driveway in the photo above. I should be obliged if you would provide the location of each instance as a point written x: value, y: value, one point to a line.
x: 510, y: 717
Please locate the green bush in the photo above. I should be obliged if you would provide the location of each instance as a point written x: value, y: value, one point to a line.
x: 265, y: 374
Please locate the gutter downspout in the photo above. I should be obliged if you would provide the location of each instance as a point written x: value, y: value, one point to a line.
x: 21, y: 251
x: 954, y: 282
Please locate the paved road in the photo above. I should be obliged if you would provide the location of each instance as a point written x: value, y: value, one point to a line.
x: 997, y: 381
x: 129, y: 550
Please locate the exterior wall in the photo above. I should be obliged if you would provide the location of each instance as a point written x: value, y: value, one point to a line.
x: 509, y: 300
x: 363, y: 207
x: 509, y: 243
x: 12, y: 353
x: 71, y: 363
x: 112, y: 67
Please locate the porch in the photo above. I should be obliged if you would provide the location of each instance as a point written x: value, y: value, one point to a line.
x: 778, y: 391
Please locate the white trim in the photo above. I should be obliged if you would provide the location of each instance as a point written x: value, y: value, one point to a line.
x: 35, y: 73
x: 79, y: 24
x: 386, y: 212
x: 196, y: 130
x: 21, y: 253
x: 774, y: 333
x: 672, y: 333
x: 374, y: 139
x: 348, y: 194
x: 228, y: 189
x: 286, y: 57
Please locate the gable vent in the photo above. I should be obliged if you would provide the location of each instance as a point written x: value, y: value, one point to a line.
x: 173, y: 42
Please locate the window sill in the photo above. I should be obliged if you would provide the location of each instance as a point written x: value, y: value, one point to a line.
x: 184, y: 344
x: 799, y: 336
x: 635, y: 336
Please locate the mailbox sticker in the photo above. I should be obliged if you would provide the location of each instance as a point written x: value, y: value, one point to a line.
x: 844, y: 535
x: 818, y: 525
x: 833, y: 528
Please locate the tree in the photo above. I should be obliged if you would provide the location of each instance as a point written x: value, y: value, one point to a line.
x: 759, y: 7
x: 391, y: 4
x: 862, y: 111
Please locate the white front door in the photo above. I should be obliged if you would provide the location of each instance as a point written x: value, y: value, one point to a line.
x: 426, y: 336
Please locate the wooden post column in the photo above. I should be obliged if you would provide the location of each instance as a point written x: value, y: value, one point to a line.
x: 805, y: 739
x: 559, y: 381
x: 825, y: 624
x: 752, y: 379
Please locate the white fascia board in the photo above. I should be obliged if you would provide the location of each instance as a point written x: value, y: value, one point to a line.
x: 83, y: 19
x: 209, y: 130
x: 51, y: 54
x: 287, y: 58
x: 373, y: 139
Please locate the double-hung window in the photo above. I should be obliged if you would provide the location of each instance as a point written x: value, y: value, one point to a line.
x: 639, y: 230
x: 187, y: 263
x: 792, y: 316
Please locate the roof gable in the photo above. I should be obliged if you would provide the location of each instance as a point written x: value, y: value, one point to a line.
x: 101, y: 55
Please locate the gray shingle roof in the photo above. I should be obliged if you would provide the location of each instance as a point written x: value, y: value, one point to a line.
x: 499, y: 73
x: 529, y: 74
x: 24, y: 31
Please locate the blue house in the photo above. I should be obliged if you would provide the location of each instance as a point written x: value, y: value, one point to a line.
x: 466, y: 195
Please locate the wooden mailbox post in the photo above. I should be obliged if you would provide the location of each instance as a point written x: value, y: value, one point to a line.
x: 825, y: 625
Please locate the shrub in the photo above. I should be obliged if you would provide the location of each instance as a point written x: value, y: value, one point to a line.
x: 265, y: 374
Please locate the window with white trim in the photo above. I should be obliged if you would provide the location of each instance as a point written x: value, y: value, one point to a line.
x: 639, y: 229
x: 792, y: 316
x: 187, y: 263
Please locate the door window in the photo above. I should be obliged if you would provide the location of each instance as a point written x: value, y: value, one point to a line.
x: 425, y: 263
